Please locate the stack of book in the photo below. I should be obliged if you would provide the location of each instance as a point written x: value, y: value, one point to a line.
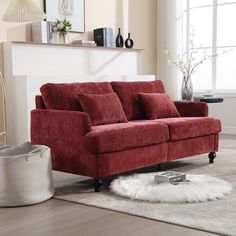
x: 84, y: 42
x: 42, y: 32
x: 170, y: 177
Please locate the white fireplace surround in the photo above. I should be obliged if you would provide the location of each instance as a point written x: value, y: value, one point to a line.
x: 28, y: 66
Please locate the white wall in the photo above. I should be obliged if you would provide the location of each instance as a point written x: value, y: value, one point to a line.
x: 225, y: 112
x: 143, y: 28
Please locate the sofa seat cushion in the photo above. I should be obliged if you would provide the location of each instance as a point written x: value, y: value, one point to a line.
x: 190, y: 127
x: 123, y: 136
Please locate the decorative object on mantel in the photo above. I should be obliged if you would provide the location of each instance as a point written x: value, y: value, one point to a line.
x: 42, y: 32
x: 103, y: 37
x: 23, y: 11
x: 84, y: 42
x: 61, y: 29
x: 73, y: 10
x: 119, y: 40
x: 129, y: 43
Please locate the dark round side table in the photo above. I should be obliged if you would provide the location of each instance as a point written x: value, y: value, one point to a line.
x: 208, y: 99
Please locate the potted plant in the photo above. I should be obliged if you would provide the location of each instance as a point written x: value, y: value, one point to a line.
x: 62, y: 28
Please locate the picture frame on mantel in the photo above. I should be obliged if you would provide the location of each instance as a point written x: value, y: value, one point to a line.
x: 72, y: 10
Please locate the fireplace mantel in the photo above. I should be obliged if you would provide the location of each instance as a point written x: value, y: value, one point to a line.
x: 27, y: 66
x: 51, y: 59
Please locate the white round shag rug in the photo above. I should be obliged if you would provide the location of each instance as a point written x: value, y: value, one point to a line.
x: 201, y: 188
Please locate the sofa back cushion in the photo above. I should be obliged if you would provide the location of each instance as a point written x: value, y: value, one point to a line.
x: 64, y: 96
x: 158, y: 105
x: 127, y: 92
x: 102, y: 108
x: 39, y: 102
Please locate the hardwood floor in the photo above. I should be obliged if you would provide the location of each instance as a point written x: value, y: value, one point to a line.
x: 56, y: 217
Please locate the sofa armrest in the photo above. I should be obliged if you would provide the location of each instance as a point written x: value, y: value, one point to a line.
x: 62, y: 131
x: 192, y: 109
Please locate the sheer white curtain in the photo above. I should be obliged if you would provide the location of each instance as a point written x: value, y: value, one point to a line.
x: 169, y: 37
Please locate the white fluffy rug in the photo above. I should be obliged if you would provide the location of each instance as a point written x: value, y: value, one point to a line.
x: 201, y: 188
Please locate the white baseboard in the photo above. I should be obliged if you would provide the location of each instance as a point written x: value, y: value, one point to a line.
x: 228, y: 129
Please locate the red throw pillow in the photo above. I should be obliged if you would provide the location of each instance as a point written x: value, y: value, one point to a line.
x: 158, y: 105
x: 102, y: 108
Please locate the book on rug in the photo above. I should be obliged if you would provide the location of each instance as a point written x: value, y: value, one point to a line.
x: 169, y: 177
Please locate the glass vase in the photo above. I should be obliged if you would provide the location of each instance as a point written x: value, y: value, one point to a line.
x: 54, y: 38
x: 187, y: 88
x: 63, y: 38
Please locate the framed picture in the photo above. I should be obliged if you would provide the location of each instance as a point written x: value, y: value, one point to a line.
x: 72, y: 10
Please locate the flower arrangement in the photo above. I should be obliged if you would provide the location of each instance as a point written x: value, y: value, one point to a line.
x: 188, y: 64
x: 62, y: 26
x: 195, y: 59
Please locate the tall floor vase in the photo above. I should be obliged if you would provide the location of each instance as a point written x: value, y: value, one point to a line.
x: 187, y: 88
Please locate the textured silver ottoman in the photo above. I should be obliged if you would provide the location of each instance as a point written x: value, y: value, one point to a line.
x: 25, y: 175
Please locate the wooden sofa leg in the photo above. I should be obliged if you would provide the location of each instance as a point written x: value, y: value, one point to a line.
x: 161, y: 166
x: 212, y: 156
x: 97, y: 184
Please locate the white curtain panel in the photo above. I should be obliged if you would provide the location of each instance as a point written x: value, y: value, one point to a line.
x: 169, y: 37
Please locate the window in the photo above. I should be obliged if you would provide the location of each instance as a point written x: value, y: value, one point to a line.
x: 213, y: 23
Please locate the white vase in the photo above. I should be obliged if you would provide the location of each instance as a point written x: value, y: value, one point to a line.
x: 60, y: 38
x: 63, y: 37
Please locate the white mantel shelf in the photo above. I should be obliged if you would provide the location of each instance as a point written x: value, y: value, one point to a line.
x: 50, y: 59
x: 77, y: 46
x: 27, y: 66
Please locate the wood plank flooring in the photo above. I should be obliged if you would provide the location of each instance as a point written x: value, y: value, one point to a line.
x: 56, y: 217
x: 61, y: 218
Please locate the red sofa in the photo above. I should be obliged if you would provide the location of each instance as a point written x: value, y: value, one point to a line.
x: 131, y: 142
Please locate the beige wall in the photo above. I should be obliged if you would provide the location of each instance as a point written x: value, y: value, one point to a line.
x: 135, y: 16
x: 143, y: 28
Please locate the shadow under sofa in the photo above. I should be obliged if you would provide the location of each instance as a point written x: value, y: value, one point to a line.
x: 78, y: 147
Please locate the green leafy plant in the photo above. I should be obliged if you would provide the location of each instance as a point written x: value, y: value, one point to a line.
x: 62, y: 26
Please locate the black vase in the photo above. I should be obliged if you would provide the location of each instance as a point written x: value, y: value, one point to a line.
x: 129, y: 43
x: 119, y: 40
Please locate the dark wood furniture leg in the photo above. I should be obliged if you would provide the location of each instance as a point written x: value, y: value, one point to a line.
x: 97, y: 184
x: 212, y: 156
x: 161, y: 166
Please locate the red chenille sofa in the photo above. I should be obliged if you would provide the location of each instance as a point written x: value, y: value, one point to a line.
x: 101, y: 129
